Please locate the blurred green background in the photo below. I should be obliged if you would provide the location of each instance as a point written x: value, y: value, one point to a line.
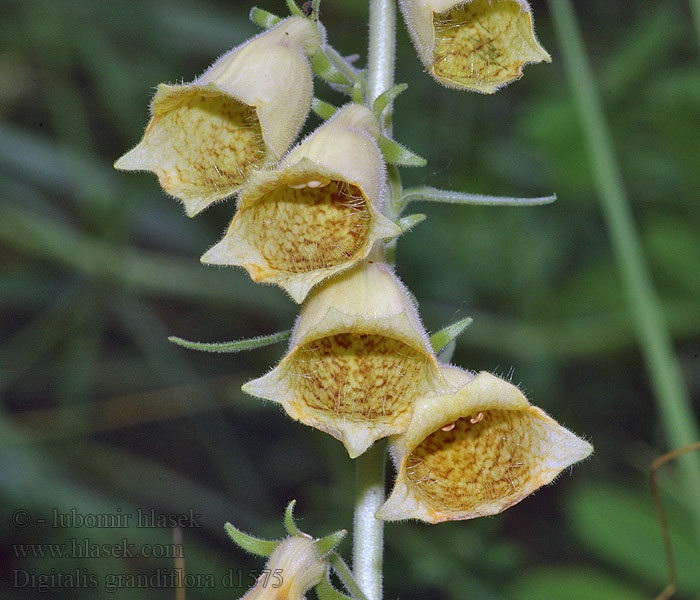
x: 102, y: 415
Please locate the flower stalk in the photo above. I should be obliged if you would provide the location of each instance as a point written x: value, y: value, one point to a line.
x: 652, y: 331
x: 368, y: 531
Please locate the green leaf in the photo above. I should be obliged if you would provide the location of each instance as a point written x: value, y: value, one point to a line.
x: 451, y: 197
x: 385, y: 98
x: 325, y: 591
x: 326, y: 70
x: 249, y: 543
x: 324, y: 545
x: 410, y: 221
x: 236, y: 345
x: 289, y: 523
x: 555, y: 583
x: 294, y: 9
x: 621, y: 527
x: 263, y: 18
x: 322, y: 109
x: 443, y: 337
x: 396, y: 154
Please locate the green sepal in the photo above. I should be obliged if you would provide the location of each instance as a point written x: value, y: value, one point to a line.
x: 322, y: 109
x: 445, y: 355
x: 325, y: 591
x: 263, y: 18
x: 289, y: 523
x: 294, y: 9
x: 385, y: 98
x: 357, y: 96
x: 236, y: 345
x: 443, y: 337
x: 249, y: 543
x: 410, y: 221
x: 396, y: 154
x: 326, y: 70
x: 324, y: 545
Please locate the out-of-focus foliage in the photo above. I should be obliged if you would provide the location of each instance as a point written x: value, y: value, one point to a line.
x: 100, y: 413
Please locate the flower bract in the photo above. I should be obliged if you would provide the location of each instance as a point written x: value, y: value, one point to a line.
x: 315, y: 214
x: 478, y: 45
x: 358, y: 358
x: 243, y: 112
x: 475, y: 451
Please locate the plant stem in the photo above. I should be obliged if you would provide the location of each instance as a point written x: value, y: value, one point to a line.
x: 695, y: 7
x: 382, y: 52
x: 368, y: 531
x: 652, y: 332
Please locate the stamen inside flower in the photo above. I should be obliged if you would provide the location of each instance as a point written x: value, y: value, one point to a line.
x: 483, y: 458
x: 207, y: 143
x: 308, y: 225
x: 360, y: 377
x: 483, y: 43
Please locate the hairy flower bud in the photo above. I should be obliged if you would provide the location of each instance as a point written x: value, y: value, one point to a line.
x: 315, y: 214
x: 477, y: 45
x: 244, y: 111
x: 292, y: 569
x: 475, y: 451
x: 358, y: 358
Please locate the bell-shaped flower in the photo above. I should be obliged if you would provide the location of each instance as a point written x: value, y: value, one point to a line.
x: 358, y: 358
x: 477, y: 45
x: 243, y: 112
x: 475, y: 451
x: 293, y: 568
x: 315, y: 214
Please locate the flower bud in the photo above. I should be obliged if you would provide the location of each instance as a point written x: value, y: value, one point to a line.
x: 293, y: 568
x: 244, y: 111
x: 478, y: 45
x: 475, y: 451
x: 358, y: 358
x: 315, y: 214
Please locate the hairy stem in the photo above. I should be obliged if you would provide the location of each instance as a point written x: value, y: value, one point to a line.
x: 368, y: 531
x: 652, y: 331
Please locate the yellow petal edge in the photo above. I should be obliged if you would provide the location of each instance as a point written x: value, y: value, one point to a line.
x: 358, y: 358
x: 477, y: 45
x: 475, y: 451
x: 205, y: 137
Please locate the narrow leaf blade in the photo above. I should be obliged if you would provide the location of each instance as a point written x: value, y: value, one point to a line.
x: 263, y: 18
x: 326, y: 70
x: 443, y: 337
x: 385, y: 98
x: 396, y: 154
x: 236, y: 345
x: 249, y: 543
x: 325, y: 591
x: 323, y: 109
x: 410, y: 221
x: 289, y: 523
x: 451, y: 197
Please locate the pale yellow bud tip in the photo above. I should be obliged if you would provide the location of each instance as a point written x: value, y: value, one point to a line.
x: 293, y: 568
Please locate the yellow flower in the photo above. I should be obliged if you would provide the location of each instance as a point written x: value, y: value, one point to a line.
x: 477, y: 45
x: 475, y: 451
x: 293, y: 568
x: 244, y: 111
x: 358, y: 358
x: 315, y: 214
